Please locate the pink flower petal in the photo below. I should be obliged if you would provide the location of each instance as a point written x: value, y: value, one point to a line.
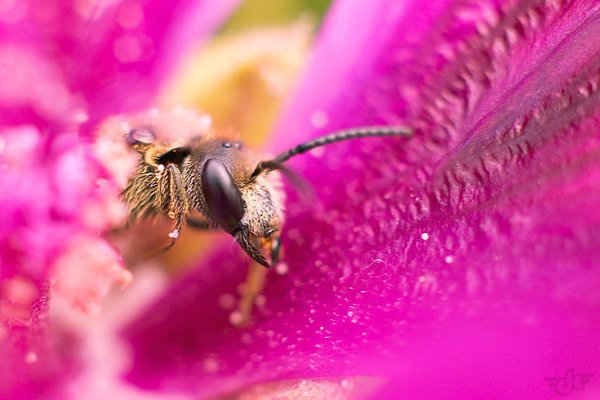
x: 93, y: 58
x: 64, y: 63
x: 458, y: 263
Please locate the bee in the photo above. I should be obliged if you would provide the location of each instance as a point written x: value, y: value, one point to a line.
x: 206, y: 181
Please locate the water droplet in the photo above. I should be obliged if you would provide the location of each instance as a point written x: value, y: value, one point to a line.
x: 174, y: 234
x: 449, y: 259
x: 31, y: 357
x: 425, y: 236
x: 281, y: 268
x: 161, y: 168
x: 235, y: 318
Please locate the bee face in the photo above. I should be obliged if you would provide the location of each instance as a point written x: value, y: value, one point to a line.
x: 186, y: 172
x: 218, y: 174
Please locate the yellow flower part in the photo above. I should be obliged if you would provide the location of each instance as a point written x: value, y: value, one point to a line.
x: 241, y: 78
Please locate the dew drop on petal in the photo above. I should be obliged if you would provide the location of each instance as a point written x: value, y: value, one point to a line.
x: 281, y: 268
x: 449, y: 259
x: 425, y: 236
x: 31, y: 357
x: 235, y: 318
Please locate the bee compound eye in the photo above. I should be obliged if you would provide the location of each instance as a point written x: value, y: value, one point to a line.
x: 223, y: 197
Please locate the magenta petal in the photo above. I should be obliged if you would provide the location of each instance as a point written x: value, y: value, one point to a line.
x: 100, y: 57
x: 63, y: 63
x: 460, y: 263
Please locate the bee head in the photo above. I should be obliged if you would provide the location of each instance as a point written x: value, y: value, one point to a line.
x: 220, y: 187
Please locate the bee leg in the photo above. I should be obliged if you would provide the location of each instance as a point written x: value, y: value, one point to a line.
x: 175, y: 203
x: 255, y: 282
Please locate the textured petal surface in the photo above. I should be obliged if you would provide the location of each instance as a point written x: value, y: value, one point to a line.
x: 461, y: 262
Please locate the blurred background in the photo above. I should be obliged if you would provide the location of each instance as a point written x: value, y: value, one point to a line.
x: 245, y: 72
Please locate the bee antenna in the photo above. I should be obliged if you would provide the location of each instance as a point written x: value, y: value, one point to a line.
x: 355, y: 133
